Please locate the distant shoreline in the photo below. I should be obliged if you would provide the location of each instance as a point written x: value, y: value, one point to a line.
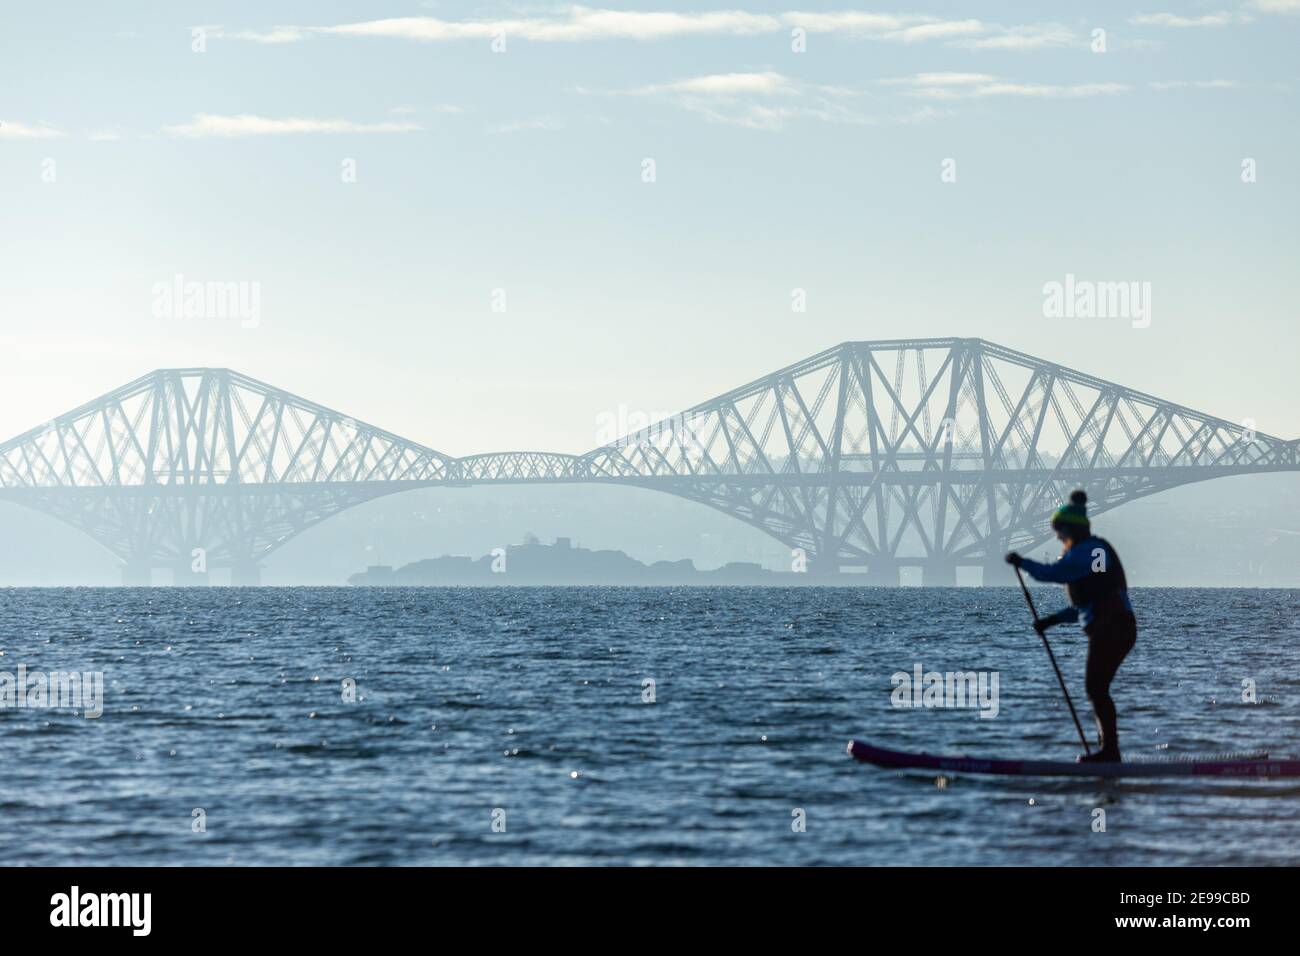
x: 562, y: 564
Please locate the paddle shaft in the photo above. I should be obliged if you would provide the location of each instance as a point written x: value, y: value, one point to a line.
x: 1052, y: 657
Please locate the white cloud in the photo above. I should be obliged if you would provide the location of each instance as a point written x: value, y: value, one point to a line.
x: 1277, y: 6
x: 1023, y: 38
x: 208, y: 125
x: 906, y: 28
x: 961, y: 86
x: 848, y: 21
x: 9, y: 130
x: 1049, y: 90
x: 769, y: 99
x: 1221, y: 19
x: 725, y: 84
x: 938, y: 31
x: 271, y: 36
x: 742, y: 99
x: 769, y: 115
x: 599, y: 24
x: 751, y: 115
x: 578, y: 23
x: 942, y: 79
x: 765, y: 100
x: 414, y: 28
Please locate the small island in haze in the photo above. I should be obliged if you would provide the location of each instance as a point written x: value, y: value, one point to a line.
x: 563, y: 563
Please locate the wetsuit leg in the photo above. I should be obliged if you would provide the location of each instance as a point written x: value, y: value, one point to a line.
x: 1109, y: 641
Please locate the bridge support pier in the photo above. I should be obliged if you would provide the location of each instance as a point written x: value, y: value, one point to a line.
x: 938, y: 574
x: 183, y: 576
x: 246, y: 575
x: 882, y: 573
x: 823, y: 567
x: 997, y: 573
x: 137, y: 576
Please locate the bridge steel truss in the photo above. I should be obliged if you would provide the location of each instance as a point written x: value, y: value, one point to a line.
x: 189, y: 469
x: 933, y: 453
x: 929, y: 452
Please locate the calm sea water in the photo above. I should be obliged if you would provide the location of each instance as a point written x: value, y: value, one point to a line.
x: 525, y: 708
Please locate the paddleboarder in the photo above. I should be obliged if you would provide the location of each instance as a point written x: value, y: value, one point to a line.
x: 1091, y: 571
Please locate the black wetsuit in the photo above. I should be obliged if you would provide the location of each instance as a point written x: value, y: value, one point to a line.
x: 1098, y: 589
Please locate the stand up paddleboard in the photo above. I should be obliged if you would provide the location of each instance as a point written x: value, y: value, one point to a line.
x: 1230, y: 765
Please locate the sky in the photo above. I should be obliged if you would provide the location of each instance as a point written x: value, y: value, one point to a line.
x: 492, y: 226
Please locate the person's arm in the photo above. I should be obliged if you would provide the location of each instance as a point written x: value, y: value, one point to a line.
x: 1067, y: 615
x: 1071, y: 566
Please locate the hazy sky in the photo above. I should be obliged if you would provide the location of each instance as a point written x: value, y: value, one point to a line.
x: 128, y: 158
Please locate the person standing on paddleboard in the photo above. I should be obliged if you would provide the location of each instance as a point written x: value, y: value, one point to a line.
x: 1091, y: 571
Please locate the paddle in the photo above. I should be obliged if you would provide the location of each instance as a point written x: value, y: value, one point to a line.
x: 1052, y: 657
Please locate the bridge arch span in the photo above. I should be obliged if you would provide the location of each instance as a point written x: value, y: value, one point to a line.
x: 875, y: 455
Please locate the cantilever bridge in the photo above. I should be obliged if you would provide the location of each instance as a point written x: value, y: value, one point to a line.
x: 935, y: 453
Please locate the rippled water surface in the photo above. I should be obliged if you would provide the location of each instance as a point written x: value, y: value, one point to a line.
x: 525, y: 707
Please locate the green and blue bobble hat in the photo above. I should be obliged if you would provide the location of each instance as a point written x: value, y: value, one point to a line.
x: 1071, y: 514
